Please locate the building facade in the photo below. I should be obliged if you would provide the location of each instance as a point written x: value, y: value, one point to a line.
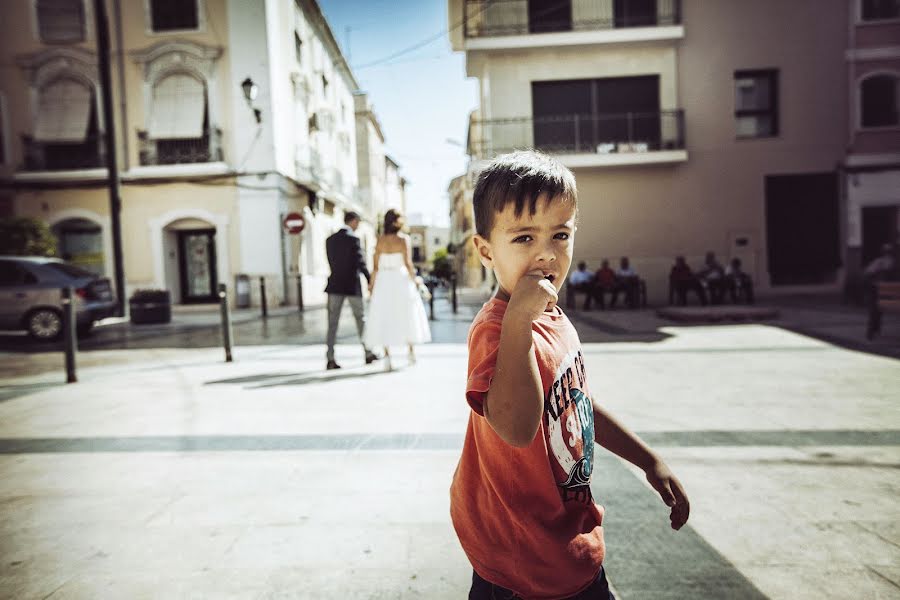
x: 872, y: 166
x: 690, y: 126
x: 229, y: 115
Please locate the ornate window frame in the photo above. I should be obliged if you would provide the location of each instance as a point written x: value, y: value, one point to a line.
x: 183, y: 57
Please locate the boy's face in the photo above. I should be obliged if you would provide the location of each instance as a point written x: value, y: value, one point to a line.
x: 522, y: 244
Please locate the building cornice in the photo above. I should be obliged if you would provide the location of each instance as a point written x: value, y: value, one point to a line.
x: 866, y: 54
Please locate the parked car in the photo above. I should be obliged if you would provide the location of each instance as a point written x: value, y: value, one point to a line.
x: 31, y: 295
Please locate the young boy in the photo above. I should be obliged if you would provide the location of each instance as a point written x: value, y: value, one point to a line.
x: 521, y: 500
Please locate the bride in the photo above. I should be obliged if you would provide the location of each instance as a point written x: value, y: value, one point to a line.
x: 396, y: 315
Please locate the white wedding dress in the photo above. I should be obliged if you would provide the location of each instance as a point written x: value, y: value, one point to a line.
x: 396, y: 315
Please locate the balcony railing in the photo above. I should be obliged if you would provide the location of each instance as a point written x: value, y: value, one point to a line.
x: 60, y: 156
x: 484, y: 18
x: 635, y: 132
x: 204, y: 149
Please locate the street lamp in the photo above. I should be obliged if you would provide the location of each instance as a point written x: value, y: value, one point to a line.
x: 250, y: 92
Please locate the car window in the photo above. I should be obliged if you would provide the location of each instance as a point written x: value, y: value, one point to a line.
x: 70, y: 270
x: 11, y: 273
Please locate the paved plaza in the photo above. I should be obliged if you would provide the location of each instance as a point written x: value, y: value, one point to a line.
x: 167, y: 473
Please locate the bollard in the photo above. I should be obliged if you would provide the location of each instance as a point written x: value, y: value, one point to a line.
x: 431, y: 302
x: 300, y: 293
x: 70, y: 333
x: 226, y: 320
x: 262, y: 297
x: 453, y: 290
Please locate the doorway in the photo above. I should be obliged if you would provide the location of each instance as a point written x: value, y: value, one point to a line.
x: 802, y: 228
x: 197, y: 265
x: 879, y: 227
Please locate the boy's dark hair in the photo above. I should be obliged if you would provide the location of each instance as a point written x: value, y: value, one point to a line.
x: 520, y: 177
x: 350, y: 216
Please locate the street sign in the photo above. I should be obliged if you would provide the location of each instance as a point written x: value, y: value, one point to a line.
x: 294, y: 223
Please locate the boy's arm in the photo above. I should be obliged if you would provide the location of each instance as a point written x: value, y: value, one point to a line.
x: 618, y: 439
x: 514, y: 404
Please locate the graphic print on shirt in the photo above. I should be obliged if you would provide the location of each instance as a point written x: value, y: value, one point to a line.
x: 570, y: 429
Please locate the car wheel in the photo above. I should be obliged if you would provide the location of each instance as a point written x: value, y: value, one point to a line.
x: 45, y: 324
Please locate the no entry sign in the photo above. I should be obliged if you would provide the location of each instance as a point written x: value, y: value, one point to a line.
x: 294, y: 223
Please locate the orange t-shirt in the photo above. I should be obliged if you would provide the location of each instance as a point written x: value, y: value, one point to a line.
x: 525, y: 516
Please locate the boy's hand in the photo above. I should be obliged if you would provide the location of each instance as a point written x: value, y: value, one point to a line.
x: 671, y: 492
x: 532, y: 295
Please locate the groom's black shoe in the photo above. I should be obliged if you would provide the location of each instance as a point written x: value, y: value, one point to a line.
x: 371, y: 357
x: 332, y: 365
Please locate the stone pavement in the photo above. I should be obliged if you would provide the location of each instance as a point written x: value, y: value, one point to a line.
x: 165, y: 473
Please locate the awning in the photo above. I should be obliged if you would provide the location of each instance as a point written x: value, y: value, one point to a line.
x: 64, y: 109
x: 179, y: 102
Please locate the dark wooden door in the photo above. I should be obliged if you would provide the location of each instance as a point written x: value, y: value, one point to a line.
x: 802, y: 228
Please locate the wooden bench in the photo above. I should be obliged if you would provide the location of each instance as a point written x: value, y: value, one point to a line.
x: 885, y: 299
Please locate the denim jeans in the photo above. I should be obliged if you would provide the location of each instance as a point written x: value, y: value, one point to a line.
x: 485, y: 590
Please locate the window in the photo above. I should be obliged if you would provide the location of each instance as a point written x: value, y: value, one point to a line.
x: 179, y: 122
x: 60, y: 21
x: 174, y: 15
x: 880, y: 101
x: 582, y: 115
x: 298, y: 48
x: 756, y: 103
x: 66, y: 132
x: 878, y: 10
x: 324, y: 86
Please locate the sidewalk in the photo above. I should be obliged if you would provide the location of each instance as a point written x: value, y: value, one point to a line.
x: 166, y: 473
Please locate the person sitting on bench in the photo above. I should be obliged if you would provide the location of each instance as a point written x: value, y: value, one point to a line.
x: 581, y: 280
x: 627, y: 281
x: 682, y: 280
x: 604, y: 283
x: 739, y: 283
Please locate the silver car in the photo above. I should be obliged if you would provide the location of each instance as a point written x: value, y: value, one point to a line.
x: 31, y: 295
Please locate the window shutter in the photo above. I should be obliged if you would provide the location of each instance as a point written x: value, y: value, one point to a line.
x: 179, y: 104
x: 61, y: 20
x: 64, y: 110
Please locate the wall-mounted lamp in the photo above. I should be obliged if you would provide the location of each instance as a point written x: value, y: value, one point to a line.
x: 251, y: 90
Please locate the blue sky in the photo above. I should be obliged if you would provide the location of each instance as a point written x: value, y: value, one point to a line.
x: 422, y: 98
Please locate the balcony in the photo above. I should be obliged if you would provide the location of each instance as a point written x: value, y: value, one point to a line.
x: 64, y: 156
x: 494, y: 24
x: 588, y: 140
x: 157, y: 152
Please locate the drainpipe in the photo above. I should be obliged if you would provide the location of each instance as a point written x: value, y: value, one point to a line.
x: 126, y: 156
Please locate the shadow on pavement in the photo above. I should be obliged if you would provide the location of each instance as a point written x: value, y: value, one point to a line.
x: 267, y: 380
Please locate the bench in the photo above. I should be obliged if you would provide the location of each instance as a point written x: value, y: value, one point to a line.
x: 885, y: 299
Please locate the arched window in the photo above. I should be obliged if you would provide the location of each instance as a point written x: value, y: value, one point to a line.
x: 66, y: 132
x: 179, y: 120
x: 61, y: 21
x: 880, y: 100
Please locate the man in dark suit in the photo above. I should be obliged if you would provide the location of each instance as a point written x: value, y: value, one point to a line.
x: 346, y: 259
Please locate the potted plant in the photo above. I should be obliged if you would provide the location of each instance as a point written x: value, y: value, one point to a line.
x: 150, y: 306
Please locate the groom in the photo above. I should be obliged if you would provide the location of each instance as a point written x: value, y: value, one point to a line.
x: 345, y: 257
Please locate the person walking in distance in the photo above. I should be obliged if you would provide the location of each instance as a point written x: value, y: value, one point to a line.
x: 347, y: 262
x: 396, y: 314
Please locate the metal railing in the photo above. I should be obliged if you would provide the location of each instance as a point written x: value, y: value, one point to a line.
x: 204, y: 149
x: 485, y: 18
x: 64, y: 156
x: 577, y: 134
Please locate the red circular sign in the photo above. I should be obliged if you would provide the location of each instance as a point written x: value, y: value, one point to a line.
x: 294, y: 223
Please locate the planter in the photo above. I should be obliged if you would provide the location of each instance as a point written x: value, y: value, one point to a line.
x: 150, y: 307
